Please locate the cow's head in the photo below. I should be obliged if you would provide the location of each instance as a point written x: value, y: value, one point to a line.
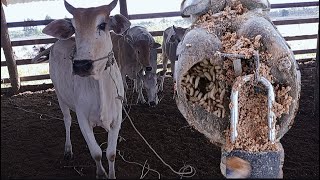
x: 177, y: 35
x: 92, y: 36
x: 142, y: 49
x: 150, y: 83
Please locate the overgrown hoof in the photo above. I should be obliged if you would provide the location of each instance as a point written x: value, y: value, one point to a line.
x: 68, y: 156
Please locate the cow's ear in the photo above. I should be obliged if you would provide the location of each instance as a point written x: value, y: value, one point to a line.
x: 119, y: 24
x: 156, y: 45
x: 174, y: 28
x: 60, y: 29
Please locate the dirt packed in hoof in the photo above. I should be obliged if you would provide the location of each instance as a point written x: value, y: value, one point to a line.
x: 220, y: 22
x: 253, y: 127
x: 33, y: 137
x: 240, y: 56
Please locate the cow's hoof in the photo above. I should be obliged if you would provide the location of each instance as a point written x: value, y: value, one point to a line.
x: 102, y: 176
x: 68, y: 156
x: 152, y: 104
x: 141, y: 102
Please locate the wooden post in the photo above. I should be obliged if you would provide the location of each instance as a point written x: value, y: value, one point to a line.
x: 7, y: 49
x: 316, y: 88
x: 123, y: 8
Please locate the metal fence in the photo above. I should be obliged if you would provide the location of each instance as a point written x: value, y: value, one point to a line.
x: 123, y: 10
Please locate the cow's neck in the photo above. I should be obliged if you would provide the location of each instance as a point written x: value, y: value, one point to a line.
x: 103, y: 96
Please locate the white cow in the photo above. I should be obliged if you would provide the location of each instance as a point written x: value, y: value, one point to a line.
x: 86, y: 78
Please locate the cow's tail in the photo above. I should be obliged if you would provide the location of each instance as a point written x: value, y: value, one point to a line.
x: 43, y: 56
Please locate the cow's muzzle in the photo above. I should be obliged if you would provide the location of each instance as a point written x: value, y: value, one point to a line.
x: 82, y: 67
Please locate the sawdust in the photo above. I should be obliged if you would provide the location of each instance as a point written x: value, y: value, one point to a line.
x: 222, y: 21
x: 252, y: 127
x: 283, y: 100
x: 243, y: 46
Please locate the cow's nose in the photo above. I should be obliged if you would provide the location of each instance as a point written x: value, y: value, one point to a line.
x: 82, y: 67
x: 148, y: 68
x: 152, y: 103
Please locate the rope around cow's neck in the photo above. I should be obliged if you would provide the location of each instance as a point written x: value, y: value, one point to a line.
x: 110, y: 57
x: 182, y: 171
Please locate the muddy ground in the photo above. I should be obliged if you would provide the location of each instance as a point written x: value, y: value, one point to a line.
x: 33, y: 136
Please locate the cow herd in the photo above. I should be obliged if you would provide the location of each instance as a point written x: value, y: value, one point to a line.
x: 136, y: 54
x: 89, y: 71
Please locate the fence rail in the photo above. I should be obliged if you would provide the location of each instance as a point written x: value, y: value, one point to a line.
x: 153, y: 33
x: 296, y: 52
x: 161, y: 15
x: 276, y: 21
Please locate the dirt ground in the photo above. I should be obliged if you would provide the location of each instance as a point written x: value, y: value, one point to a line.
x: 33, y: 137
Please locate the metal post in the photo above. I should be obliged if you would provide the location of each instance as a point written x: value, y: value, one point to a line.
x: 123, y: 8
x: 8, y: 53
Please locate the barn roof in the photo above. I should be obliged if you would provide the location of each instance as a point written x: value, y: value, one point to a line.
x: 6, y: 2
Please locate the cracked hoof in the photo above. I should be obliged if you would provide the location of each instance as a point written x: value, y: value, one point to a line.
x: 68, y: 156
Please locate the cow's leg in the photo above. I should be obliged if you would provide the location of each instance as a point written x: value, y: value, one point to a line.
x: 173, y: 62
x: 136, y: 78
x: 125, y: 85
x: 139, y: 86
x: 164, y: 64
x: 112, y: 146
x: 135, y: 85
x: 95, y: 150
x: 68, y: 154
x: 140, y: 95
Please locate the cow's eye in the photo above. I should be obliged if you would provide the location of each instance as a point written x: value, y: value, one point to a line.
x: 102, y: 26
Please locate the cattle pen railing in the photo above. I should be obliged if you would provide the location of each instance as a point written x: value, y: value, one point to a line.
x: 12, y: 64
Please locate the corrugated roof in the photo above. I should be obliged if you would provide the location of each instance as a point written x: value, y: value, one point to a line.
x: 5, y: 2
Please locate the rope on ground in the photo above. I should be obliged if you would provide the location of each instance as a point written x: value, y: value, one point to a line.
x: 130, y: 105
x: 78, y: 171
x: 143, y: 174
x: 160, y: 99
x: 182, y: 171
